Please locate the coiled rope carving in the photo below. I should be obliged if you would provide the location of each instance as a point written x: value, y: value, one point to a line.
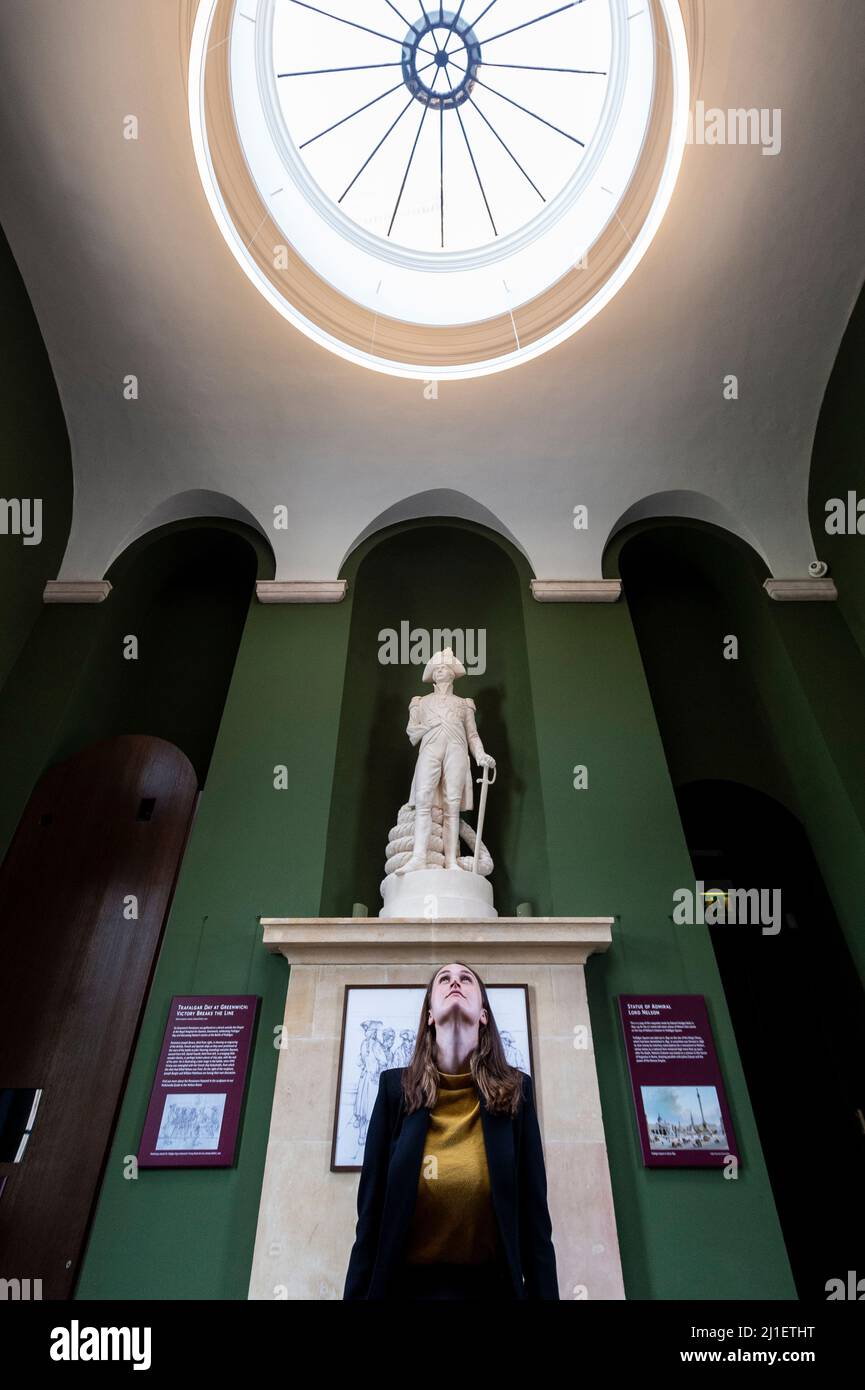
x: 401, y: 839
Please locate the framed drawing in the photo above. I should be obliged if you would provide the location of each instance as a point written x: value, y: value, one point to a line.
x: 379, y: 1028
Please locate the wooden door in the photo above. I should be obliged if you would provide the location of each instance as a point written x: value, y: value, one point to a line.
x: 101, y: 840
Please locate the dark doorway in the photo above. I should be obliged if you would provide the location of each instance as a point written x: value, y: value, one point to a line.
x: 798, y: 1010
x: 84, y: 893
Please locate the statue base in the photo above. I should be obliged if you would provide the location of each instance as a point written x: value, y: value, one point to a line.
x: 435, y: 893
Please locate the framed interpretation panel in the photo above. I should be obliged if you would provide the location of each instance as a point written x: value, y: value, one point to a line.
x: 683, y: 1118
x: 193, y: 1118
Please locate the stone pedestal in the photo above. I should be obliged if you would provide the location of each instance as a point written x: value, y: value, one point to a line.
x: 430, y: 894
x: 307, y: 1214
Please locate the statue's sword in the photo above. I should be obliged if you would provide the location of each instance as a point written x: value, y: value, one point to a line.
x: 486, y: 781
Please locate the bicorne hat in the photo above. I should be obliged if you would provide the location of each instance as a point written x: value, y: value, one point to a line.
x: 445, y: 658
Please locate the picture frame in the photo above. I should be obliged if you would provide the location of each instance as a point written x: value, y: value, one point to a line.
x: 379, y: 1029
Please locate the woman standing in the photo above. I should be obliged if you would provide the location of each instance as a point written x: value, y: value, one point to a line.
x: 452, y: 1199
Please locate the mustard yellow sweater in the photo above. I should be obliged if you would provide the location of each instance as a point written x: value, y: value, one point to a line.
x: 454, y: 1220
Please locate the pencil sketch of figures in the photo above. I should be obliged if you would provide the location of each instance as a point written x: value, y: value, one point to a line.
x: 379, y: 1032
x: 405, y: 1051
x: 512, y: 1052
x: 373, y: 1060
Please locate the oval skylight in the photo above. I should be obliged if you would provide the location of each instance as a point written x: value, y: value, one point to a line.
x: 434, y: 132
x: 440, y: 167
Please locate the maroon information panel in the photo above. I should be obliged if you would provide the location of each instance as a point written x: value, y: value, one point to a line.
x: 193, y: 1117
x: 682, y: 1113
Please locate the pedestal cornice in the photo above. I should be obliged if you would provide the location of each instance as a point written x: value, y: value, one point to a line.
x: 363, y: 940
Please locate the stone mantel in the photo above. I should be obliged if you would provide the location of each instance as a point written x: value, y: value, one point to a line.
x: 364, y: 940
x: 307, y: 1213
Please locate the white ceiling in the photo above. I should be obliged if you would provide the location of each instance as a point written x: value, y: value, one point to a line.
x: 755, y: 271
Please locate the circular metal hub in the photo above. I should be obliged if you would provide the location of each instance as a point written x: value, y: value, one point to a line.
x: 440, y: 59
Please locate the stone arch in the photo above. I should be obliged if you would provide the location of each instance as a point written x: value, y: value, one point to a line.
x: 434, y: 503
x: 194, y: 504
x: 689, y: 506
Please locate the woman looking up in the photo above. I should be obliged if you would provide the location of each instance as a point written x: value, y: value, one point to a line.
x: 452, y: 1199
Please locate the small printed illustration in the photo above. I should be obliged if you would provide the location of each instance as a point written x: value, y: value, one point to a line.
x: 683, y: 1117
x: 191, y: 1122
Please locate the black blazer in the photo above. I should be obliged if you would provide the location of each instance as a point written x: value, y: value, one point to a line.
x: 387, y: 1192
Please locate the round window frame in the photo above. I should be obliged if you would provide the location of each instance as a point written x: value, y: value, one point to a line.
x: 385, y: 343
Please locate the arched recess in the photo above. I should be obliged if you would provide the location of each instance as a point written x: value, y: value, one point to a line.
x: 689, y: 585
x: 423, y: 576
x: 179, y: 600
x: 686, y: 506
x: 789, y: 980
x: 183, y: 592
x: 435, y: 502
x: 194, y: 505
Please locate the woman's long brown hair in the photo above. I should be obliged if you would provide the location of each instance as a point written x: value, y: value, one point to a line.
x: 499, y: 1082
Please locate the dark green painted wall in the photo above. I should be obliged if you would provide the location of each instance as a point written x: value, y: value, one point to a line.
x: 186, y: 592
x: 254, y: 851
x: 618, y: 849
x: 784, y: 718
x: 34, y: 461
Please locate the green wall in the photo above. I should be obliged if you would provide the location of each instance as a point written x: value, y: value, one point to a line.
x: 617, y: 849
x: 34, y: 461
x: 254, y: 851
x: 308, y: 692
x: 186, y: 591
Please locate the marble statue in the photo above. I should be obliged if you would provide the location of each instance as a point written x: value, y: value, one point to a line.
x: 425, y: 840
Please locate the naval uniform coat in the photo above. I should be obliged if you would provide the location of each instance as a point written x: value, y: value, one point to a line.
x: 430, y: 717
x: 388, y: 1185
